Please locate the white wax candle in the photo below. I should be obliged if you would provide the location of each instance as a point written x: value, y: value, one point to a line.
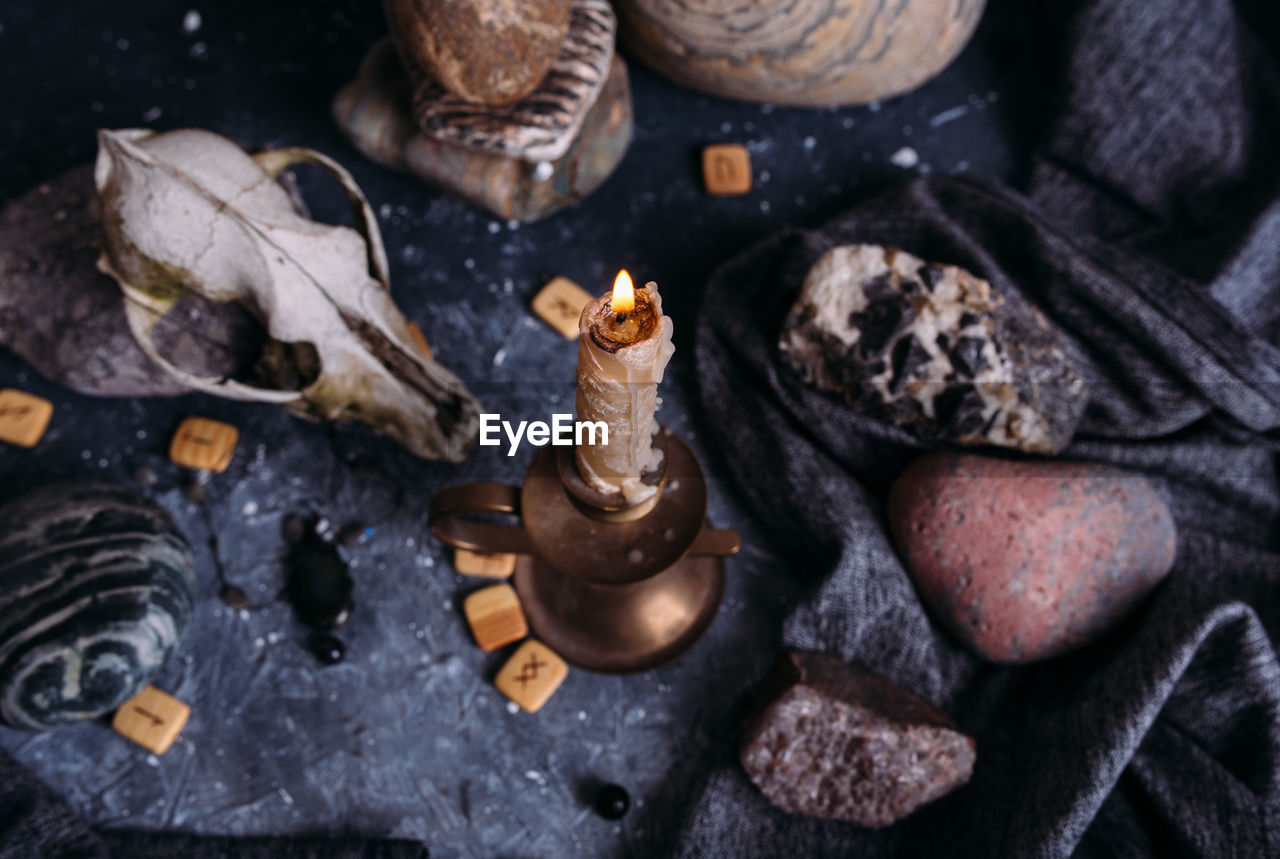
x: 621, y: 359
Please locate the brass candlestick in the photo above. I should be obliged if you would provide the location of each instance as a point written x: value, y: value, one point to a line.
x: 610, y: 587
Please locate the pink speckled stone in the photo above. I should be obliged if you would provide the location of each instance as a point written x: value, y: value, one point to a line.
x: 1028, y: 560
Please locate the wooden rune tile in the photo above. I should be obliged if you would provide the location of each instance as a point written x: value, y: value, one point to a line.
x: 23, y: 417
x: 152, y: 719
x: 489, y: 565
x: 495, y: 616
x: 560, y: 304
x: 204, y: 444
x: 726, y: 169
x: 532, y: 675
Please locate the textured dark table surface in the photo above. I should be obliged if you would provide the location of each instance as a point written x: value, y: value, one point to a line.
x: 407, y: 737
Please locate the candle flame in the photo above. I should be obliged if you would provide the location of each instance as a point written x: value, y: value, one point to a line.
x: 624, y: 294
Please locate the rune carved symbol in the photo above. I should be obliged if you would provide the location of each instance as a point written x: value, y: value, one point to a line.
x: 529, y: 671
x: 155, y: 720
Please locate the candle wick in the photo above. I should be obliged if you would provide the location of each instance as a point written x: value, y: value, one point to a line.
x: 620, y: 318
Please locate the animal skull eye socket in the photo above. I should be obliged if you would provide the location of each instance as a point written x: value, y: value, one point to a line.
x: 226, y: 341
x: 315, y: 196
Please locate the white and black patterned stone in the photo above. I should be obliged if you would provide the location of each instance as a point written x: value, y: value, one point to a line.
x: 935, y: 350
x: 836, y: 741
x: 542, y: 125
x: 96, y: 590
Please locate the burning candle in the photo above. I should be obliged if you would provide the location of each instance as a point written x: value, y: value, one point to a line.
x: 624, y: 344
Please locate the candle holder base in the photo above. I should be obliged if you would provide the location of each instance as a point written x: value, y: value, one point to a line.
x: 617, y: 594
x: 621, y: 629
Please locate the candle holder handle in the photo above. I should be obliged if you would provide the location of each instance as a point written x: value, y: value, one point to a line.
x: 449, y: 506
x: 716, y: 542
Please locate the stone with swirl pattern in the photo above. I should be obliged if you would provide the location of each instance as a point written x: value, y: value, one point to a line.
x: 96, y: 590
x: 804, y: 53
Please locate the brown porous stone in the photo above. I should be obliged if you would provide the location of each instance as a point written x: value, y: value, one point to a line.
x: 834, y: 740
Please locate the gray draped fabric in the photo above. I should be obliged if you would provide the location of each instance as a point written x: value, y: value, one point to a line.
x: 1150, y: 233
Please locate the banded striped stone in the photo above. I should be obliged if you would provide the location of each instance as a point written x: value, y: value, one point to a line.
x: 373, y: 112
x: 803, y: 53
x: 96, y: 590
x: 542, y: 125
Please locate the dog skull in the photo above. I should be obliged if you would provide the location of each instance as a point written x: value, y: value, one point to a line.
x: 189, y: 213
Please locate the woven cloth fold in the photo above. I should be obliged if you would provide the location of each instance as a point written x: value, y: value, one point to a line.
x: 1150, y: 234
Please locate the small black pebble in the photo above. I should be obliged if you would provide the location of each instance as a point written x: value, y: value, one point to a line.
x: 612, y: 801
x: 145, y: 477
x: 235, y: 597
x: 195, y: 493
x: 329, y: 649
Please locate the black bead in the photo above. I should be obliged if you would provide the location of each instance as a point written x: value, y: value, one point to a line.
x: 236, y: 598
x: 329, y: 649
x: 319, y: 586
x: 612, y: 801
